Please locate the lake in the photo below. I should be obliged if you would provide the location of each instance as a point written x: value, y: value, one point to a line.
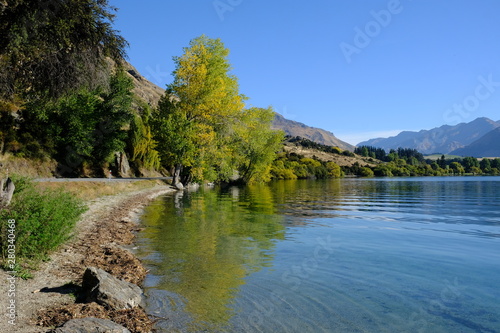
x: 348, y: 255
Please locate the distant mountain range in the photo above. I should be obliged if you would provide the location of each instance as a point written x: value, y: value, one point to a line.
x: 294, y: 128
x: 486, y: 146
x: 445, y: 139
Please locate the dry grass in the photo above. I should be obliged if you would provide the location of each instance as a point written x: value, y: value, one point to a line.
x: 341, y: 160
x: 91, y: 190
x: 27, y: 167
x: 136, y: 320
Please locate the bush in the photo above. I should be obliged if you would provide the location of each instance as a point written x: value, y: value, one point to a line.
x: 44, y: 220
x: 366, y: 172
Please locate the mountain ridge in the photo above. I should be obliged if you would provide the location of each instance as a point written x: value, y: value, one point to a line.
x: 443, y: 139
x: 486, y: 146
x: 318, y: 135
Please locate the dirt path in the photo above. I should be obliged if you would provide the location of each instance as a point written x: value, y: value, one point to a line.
x: 99, y: 236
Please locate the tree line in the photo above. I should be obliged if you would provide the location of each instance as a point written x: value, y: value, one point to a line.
x: 410, y: 162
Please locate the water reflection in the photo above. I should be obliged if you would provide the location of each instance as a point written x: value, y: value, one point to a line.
x: 215, y: 252
x: 208, y: 241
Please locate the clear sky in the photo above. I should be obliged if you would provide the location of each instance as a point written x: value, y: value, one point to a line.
x: 358, y: 68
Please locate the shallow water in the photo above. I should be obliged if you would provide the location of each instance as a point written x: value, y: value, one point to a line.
x: 350, y: 255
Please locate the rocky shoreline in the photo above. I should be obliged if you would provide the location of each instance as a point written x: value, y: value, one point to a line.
x: 54, y: 296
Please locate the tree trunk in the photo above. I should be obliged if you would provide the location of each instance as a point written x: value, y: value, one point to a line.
x: 176, y: 180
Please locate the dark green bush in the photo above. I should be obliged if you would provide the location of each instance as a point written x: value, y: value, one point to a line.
x: 44, y: 220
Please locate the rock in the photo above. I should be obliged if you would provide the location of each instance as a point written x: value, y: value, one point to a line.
x: 105, y: 289
x: 6, y: 195
x: 90, y: 325
x: 123, y: 165
x: 179, y: 186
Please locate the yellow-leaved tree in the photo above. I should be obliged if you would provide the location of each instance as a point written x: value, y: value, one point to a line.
x: 201, y: 115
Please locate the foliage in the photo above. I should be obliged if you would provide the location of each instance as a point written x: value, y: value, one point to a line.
x: 369, y: 151
x: 143, y: 145
x: 306, y: 143
x: 52, y: 47
x: 256, y: 144
x: 412, y: 156
x: 85, y: 127
x: 44, y: 220
x: 293, y: 166
x: 201, y: 125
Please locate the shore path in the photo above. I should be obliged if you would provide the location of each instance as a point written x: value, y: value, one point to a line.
x: 66, y: 265
x: 57, y: 180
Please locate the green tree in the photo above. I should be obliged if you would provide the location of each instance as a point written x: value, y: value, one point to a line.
x: 334, y: 170
x: 85, y: 127
x: 366, y: 172
x: 457, y: 168
x: 485, y: 165
x: 256, y: 144
x: 469, y: 162
x: 143, y: 144
x: 53, y: 46
x: 199, y: 109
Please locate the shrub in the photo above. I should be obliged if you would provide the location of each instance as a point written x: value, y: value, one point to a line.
x: 44, y: 220
x: 366, y: 172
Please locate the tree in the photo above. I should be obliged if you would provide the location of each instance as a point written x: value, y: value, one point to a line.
x: 457, y: 168
x: 334, y: 170
x: 485, y: 165
x: 194, y: 119
x: 85, y: 127
x: 51, y: 47
x: 470, y: 162
x: 143, y: 144
x: 256, y: 144
x: 442, y: 161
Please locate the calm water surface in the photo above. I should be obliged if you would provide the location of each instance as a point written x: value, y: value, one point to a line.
x: 350, y: 255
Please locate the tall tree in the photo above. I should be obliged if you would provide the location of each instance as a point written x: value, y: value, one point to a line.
x: 256, y: 144
x: 50, y: 47
x: 194, y: 119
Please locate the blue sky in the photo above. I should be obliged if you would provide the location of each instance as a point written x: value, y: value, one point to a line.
x: 360, y: 69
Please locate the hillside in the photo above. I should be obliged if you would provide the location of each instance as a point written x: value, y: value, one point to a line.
x: 294, y: 128
x: 144, y: 89
x: 442, y: 139
x: 339, y: 159
x: 486, y: 146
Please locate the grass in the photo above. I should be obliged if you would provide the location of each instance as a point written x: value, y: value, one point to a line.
x: 92, y: 190
x: 45, y: 215
x: 44, y: 219
x: 435, y: 157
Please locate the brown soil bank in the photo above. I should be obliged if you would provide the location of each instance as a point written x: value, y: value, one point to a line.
x: 48, y: 299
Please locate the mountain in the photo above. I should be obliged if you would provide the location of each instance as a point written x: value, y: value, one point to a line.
x: 294, y: 128
x: 146, y: 90
x: 442, y: 139
x: 486, y: 146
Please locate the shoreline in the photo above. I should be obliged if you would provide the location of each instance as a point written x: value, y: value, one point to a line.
x: 100, y: 239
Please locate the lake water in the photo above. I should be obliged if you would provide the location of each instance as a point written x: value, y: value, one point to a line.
x: 349, y: 255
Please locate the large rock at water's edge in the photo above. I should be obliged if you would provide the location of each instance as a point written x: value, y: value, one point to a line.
x: 105, y: 289
x: 90, y: 325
